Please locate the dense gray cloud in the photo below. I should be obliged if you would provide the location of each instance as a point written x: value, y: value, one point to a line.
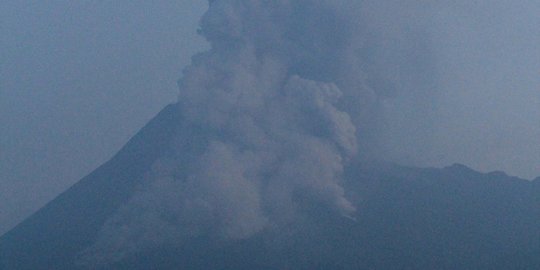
x: 287, y: 94
x: 272, y: 130
x: 420, y: 83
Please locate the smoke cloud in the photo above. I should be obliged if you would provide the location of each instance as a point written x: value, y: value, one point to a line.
x: 288, y: 93
x: 267, y: 101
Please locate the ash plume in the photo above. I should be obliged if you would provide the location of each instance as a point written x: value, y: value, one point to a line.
x: 275, y: 108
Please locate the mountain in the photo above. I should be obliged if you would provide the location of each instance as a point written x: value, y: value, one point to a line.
x: 406, y: 218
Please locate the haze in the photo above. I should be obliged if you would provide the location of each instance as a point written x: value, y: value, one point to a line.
x: 79, y: 78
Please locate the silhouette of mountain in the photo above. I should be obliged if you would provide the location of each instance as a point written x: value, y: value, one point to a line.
x: 406, y: 218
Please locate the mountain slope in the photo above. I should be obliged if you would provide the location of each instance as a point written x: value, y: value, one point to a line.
x: 406, y: 218
x: 53, y: 235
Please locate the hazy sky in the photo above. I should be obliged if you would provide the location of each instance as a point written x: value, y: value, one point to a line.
x: 79, y: 78
x: 490, y: 80
x: 486, y: 108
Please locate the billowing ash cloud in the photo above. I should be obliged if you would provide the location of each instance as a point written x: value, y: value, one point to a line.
x: 270, y: 116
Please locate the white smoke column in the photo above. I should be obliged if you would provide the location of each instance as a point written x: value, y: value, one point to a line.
x: 266, y: 99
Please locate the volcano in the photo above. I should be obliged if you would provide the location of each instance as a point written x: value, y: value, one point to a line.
x: 268, y: 160
x: 405, y: 218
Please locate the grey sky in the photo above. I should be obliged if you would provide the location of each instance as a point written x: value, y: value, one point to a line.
x: 79, y: 78
x: 487, y: 112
